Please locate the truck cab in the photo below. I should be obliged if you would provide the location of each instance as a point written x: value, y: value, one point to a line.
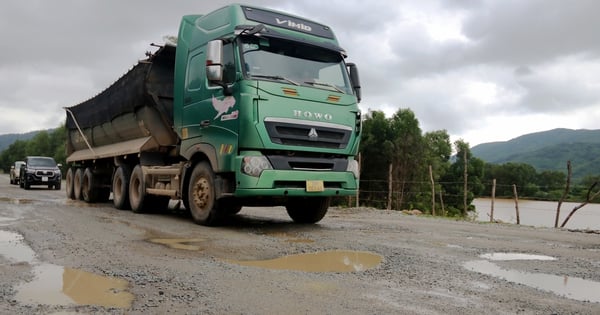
x: 269, y: 100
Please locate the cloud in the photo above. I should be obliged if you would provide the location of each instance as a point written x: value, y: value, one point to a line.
x: 463, y: 65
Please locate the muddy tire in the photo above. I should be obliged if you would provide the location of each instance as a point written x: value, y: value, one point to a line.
x: 120, y: 187
x: 137, y: 191
x: 201, y: 195
x: 88, y: 189
x: 69, y: 184
x: 307, y: 210
x: 77, y: 179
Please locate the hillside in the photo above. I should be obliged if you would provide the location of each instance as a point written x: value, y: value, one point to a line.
x: 8, y: 139
x: 548, y: 150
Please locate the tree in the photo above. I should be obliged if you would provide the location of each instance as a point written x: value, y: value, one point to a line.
x: 376, y: 151
x: 407, y: 164
x: 453, y: 181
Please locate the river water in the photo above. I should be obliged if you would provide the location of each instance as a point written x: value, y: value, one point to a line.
x: 539, y: 213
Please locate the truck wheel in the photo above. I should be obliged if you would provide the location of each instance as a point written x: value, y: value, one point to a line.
x: 137, y: 191
x: 69, y: 184
x: 26, y: 185
x: 201, y: 195
x: 57, y: 186
x: 77, y: 179
x: 88, y: 191
x: 307, y: 210
x: 120, y: 187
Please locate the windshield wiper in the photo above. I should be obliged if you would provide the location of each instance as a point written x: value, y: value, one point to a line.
x: 325, y: 85
x: 275, y: 77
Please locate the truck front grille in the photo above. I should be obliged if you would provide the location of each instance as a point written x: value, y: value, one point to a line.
x: 308, y: 134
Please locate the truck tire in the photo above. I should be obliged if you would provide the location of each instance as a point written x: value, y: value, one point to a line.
x: 307, y: 210
x: 137, y: 191
x: 69, y: 184
x: 120, y: 187
x: 201, y: 195
x: 88, y: 190
x: 77, y: 179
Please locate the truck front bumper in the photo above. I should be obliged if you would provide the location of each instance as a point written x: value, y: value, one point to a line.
x: 297, y: 183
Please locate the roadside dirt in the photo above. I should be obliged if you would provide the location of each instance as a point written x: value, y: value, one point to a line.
x: 62, y: 257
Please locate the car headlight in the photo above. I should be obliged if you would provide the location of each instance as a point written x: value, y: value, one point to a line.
x: 254, y: 165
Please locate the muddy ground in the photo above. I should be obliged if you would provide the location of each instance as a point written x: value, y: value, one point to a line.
x: 65, y: 257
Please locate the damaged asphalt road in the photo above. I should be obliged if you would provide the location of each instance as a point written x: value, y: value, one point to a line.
x: 61, y: 256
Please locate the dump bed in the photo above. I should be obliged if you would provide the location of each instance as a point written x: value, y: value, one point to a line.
x: 134, y: 114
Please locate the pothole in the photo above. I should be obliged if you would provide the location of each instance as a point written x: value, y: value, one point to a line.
x: 57, y: 285
x: 565, y: 286
x: 326, y: 261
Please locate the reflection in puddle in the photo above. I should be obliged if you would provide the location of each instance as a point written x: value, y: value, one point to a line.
x: 57, y: 285
x: 515, y: 256
x: 329, y: 261
x: 569, y: 287
x: 12, y: 247
x: 179, y: 243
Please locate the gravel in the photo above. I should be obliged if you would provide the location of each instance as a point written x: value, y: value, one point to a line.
x: 423, y: 268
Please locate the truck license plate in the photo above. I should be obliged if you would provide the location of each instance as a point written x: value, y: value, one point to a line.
x: 44, y: 178
x: 314, y: 185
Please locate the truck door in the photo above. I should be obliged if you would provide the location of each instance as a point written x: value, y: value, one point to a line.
x: 209, y: 116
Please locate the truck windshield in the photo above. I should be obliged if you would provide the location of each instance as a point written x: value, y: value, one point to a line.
x: 294, y: 63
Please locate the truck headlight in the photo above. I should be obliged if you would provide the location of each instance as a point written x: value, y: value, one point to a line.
x: 254, y: 165
x: 353, y: 167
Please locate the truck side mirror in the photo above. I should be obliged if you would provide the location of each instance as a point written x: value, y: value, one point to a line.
x: 12, y: 167
x: 214, y: 60
x: 354, y: 79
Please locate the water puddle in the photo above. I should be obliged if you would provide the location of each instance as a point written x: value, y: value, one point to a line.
x: 327, y: 261
x: 15, y: 201
x: 569, y: 287
x: 515, y: 256
x: 4, y: 221
x: 57, y: 285
x: 192, y: 244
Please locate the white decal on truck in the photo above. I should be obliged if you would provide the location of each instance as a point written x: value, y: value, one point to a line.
x: 222, y: 107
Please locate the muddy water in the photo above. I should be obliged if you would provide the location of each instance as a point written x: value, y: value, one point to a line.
x: 57, y: 285
x: 327, y: 261
x: 569, y: 287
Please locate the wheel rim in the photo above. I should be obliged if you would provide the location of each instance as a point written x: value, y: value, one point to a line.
x: 202, y: 194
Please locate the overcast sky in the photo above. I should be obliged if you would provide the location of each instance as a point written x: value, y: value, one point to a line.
x: 482, y: 70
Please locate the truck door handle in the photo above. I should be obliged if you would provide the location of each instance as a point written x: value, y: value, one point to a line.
x: 205, y: 123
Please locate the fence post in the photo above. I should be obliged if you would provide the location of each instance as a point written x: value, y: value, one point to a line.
x: 432, y: 190
x: 389, y: 205
x: 493, y: 199
x: 516, y: 203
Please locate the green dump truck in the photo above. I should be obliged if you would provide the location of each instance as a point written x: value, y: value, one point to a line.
x: 249, y: 107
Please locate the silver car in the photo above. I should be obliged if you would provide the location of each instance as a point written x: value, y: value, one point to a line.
x: 14, y: 172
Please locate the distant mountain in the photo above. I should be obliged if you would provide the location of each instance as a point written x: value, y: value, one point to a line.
x: 8, y: 139
x: 548, y: 150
